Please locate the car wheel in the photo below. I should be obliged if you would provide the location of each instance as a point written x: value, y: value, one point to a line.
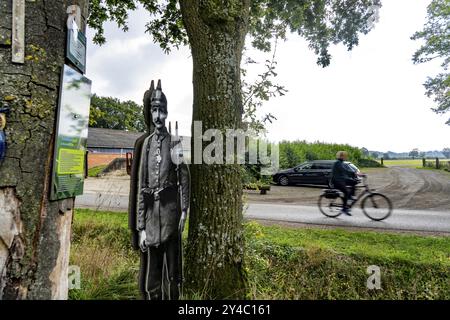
x: 283, y: 180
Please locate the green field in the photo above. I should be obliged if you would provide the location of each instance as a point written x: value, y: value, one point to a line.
x: 281, y: 263
x: 413, y: 163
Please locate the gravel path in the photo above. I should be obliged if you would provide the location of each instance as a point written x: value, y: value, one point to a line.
x: 408, y: 188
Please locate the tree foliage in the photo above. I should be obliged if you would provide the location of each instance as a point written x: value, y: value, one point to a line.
x: 365, y: 152
x: 292, y: 153
x: 414, y: 153
x: 321, y: 22
x: 436, y: 37
x: 254, y: 94
x: 446, y: 152
x: 111, y: 113
x: 375, y: 154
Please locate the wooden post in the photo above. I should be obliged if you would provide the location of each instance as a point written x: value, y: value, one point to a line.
x: 423, y: 162
x: 382, y: 162
x: 18, y: 31
x: 129, y: 161
x: 437, y: 163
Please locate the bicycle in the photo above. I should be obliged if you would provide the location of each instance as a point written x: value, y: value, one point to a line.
x: 376, y: 206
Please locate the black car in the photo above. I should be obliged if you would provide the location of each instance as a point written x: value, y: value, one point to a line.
x: 317, y: 172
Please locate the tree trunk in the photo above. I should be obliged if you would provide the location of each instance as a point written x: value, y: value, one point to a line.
x: 214, y: 256
x: 34, y: 232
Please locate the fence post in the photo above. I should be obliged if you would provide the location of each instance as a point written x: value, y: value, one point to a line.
x: 437, y: 163
x: 423, y: 162
x: 129, y: 160
x: 382, y: 162
x: 86, y: 164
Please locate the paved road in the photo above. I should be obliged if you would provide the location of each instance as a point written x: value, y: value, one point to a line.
x: 407, y: 220
x: 401, y: 219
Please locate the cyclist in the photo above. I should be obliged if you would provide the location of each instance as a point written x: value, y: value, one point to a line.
x: 343, y: 179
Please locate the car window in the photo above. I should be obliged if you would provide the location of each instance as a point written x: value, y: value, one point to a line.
x: 305, y: 166
x: 322, y: 166
x: 352, y: 166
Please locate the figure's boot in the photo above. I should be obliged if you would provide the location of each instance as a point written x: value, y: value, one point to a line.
x: 174, y: 290
x: 155, y: 294
x: 142, y: 275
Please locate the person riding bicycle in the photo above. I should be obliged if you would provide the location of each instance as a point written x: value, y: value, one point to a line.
x: 344, y: 179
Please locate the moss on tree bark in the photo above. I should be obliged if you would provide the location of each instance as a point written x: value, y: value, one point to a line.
x: 214, y: 256
x: 34, y: 264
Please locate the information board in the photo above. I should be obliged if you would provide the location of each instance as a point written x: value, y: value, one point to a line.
x: 76, y: 47
x: 71, y: 135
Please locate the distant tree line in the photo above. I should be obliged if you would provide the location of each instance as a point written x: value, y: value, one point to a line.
x: 111, y: 113
x: 293, y: 153
x: 414, y: 154
x: 446, y: 152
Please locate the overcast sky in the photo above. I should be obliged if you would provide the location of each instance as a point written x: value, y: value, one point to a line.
x: 369, y: 97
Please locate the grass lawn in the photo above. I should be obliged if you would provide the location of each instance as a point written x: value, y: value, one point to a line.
x: 371, y: 244
x: 413, y: 163
x: 281, y: 263
x: 403, y: 163
x: 94, y: 171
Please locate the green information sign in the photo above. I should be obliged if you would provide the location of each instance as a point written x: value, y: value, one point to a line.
x: 71, y: 135
x: 76, y: 48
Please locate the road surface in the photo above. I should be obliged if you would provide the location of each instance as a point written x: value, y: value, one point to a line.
x: 401, y: 219
x: 408, y: 188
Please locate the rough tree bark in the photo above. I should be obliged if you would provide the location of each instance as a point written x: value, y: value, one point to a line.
x: 214, y: 257
x: 34, y: 232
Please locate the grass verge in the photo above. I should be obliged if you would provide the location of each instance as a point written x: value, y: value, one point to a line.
x: 94, y: 171
x: 281, y: 263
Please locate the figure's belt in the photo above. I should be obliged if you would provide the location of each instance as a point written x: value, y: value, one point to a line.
x: 154, y: 193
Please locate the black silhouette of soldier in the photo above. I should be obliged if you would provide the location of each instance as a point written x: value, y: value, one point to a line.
x: 159, y: 201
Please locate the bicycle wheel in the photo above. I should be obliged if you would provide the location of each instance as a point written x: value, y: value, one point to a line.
x: 377, y: 206
x: 330, y: 207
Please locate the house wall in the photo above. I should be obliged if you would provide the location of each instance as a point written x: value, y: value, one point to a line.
x: 103, y: 156
x: 97, y: 159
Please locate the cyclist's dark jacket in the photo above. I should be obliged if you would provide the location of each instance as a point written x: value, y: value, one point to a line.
x: 341, y: 172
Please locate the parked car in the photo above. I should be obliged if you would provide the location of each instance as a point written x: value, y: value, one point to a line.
x: 317, y: 172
